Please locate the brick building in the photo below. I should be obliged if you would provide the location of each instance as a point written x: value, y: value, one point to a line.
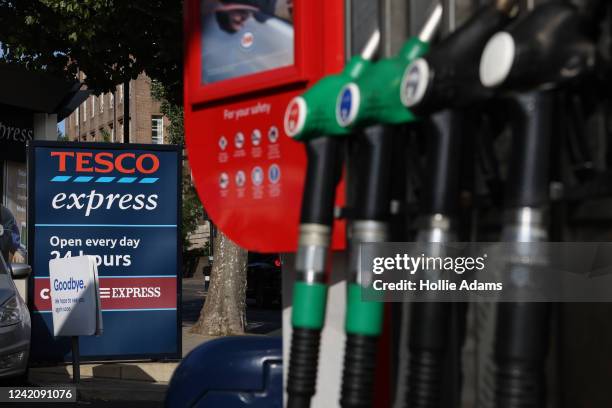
x: 100, y: 118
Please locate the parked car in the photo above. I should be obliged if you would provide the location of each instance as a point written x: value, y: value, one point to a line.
x: 264, y: 279
x: 15, y: 326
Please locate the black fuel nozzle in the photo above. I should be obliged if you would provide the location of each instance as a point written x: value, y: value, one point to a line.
x: 439, y: 85
x: 311, y: 119
x: 547, y: 47
x: 543, y: 51
x: 448, y: 76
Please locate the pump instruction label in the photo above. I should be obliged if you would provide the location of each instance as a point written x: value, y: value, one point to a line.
x: 120, y: 206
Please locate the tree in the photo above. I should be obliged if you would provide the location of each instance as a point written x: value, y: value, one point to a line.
x: 110, y: 40
x: 224, y: 310
x: 192, y: 208
x: 113, y: 41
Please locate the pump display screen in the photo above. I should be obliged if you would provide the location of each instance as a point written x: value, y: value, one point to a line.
x: 244, y: 37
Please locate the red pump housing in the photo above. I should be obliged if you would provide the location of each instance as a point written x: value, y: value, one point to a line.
x: 244, y: 62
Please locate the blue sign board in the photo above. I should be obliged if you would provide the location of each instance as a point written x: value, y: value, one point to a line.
x: 121, y: 204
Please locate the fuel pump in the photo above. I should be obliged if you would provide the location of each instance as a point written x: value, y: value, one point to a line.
x: 311, y: 118
x: 541, y: 52
x: 371, y: 176
x: 444, y: 84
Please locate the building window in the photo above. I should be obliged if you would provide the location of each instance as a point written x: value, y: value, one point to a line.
x: 85, y: 111
x: 120, y: 130
x: 93, y: 106
x: 157, y: 129
x: 102, y: 103
x: 112, y: 100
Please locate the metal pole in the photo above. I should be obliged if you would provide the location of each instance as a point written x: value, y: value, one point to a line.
x: 126, y: 112
x: 76, y: 360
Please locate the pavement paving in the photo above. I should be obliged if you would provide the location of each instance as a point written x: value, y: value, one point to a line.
x: 144, y: 383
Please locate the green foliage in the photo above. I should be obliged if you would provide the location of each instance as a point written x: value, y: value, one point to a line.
x: 110, y: 40
x: 192, y: 211
x: 192, y: 207
x: 207, y: 245
x: 173, y: 111
x: 106, y: 136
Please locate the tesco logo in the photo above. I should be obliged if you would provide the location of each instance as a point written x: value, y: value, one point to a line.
x: 107, y: 162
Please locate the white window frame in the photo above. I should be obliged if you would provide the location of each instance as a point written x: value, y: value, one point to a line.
x: 157, y: 125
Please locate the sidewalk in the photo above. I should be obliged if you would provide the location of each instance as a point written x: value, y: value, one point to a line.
x: 112, y: 384
x: 127, y: 381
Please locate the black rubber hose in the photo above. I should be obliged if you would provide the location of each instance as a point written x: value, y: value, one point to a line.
x: 429, y: 333
x: 370, y: 177
x: 322, y: 175
x: 358, y: 375
x: 429, y: 343
x: 522, y: 330
x: 304, y: 357
x: 520, y: 354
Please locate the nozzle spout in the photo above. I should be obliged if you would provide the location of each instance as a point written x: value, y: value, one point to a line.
x: 431, y: 25
x: 371, y: 46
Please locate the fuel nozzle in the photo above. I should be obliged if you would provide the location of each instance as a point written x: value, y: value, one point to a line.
x: 314, y: 113
x: 447, y: 77
x: 310, y: 118
x: 542, y: 51
x: 545, y: 48
x: 374, y: 97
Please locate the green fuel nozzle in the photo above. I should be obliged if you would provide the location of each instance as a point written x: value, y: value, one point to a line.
x: 310, y: 118
x: 375, y: 97
x: 313, y: 114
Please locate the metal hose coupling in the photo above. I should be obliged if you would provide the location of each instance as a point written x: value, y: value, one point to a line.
x: 313, y: 245
x: 363, y: 231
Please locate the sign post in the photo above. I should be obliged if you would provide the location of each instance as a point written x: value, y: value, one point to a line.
x: 75, y: 296
x: 76, y: 360
x: 121, y: 205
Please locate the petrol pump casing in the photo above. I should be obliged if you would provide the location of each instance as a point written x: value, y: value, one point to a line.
x: 249, y: 174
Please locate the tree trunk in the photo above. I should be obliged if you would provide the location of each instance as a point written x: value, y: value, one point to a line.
x: 223, y: 313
